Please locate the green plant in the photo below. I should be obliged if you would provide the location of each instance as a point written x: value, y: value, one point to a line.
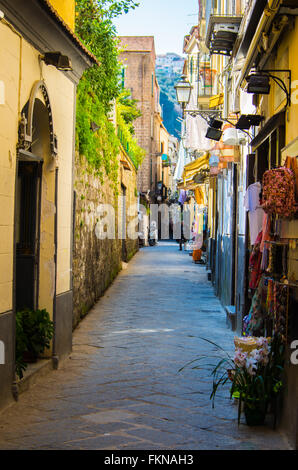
x: 256, y: 377
x: 21, y: 341
x: 99, y: 88
x: 34, y: 331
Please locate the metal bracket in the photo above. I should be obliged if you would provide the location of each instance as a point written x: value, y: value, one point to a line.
x: 207, y: 115
x: 279, y: 81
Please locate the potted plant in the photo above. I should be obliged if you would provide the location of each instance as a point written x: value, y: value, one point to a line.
x: 256, y: 376
x: 20, y: 364
x: 34, y: 331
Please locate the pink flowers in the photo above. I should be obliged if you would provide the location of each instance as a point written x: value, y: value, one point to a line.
x: 255, y: 359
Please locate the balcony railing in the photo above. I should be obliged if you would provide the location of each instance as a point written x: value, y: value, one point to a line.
x: 221, y: 34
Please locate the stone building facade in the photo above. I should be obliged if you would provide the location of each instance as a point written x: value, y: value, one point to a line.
x: 138, y: 58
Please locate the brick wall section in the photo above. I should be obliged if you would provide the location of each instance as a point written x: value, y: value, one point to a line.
x: 138, y: 59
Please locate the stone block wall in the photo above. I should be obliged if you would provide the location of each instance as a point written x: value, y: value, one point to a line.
x: 96, y: 262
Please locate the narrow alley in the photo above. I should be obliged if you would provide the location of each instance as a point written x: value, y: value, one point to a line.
x: 121, y: 389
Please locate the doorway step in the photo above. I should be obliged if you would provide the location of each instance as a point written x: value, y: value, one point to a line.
x: 33, y: 373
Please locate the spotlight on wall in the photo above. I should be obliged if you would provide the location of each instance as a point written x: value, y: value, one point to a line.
x: 216, y: 123
x: 214, y: 131
x: 58, y: 60
x: 247, y: 120
x: 258, y: 84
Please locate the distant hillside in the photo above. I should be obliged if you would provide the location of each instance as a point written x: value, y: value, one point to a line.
x: 168, y: 71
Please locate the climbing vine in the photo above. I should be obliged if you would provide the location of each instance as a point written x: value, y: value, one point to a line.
x: 100, y: 88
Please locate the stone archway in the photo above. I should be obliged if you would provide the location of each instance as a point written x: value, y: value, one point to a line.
x: 36, y: 213
x: 26, y: 124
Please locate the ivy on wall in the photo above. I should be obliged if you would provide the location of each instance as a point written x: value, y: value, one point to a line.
x: 100, y: 87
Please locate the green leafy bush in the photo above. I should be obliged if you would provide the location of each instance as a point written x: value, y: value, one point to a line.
x: 34, y: 331
x: 100, y: 87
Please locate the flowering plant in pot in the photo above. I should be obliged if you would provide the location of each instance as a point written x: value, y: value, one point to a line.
x: 256, y: 376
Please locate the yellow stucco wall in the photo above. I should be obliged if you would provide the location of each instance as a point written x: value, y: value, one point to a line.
x: 9, y: 55
x: 285, y: 58
x: 66, y: 9
x: 21, y: 71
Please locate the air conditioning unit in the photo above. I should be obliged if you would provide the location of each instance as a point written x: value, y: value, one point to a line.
x: 233, y: 136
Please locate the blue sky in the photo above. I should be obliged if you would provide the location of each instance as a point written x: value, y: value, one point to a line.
x: 167, y: 20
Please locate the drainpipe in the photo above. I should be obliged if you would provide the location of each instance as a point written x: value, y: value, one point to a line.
x: 266, y: 19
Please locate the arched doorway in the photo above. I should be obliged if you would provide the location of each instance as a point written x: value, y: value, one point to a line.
x: 35, y: 211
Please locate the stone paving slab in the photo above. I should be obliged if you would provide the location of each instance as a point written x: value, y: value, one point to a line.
x: 121, y: 388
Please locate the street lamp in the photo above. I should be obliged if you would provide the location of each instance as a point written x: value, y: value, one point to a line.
x: 183, y: 89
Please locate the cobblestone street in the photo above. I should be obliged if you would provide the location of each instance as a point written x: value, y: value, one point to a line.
x: 121, y: 389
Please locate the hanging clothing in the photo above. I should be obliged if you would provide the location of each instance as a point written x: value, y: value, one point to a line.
x: 255, y: 219
x: 255, y: 212
x: 199, y: 196
x: 255, y: 322
x: 180, y: 164
x: 196, y: 127
x: 291, y: 162
x: 252, y: 196
x: 182, y: 196
x: 255, y: 271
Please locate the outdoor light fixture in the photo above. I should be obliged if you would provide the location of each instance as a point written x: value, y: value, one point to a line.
x: 247, y: 120
x: 214, y: 134
x: 58, y: 60
x: 214, y: 131
x: 216, y: 123
x: 258, y: 84
x: 183, y: 89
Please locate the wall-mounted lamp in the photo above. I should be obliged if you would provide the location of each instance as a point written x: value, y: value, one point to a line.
x: 258, y: 84
x: 183, y: 89
x: 247, y: 120
x: 58, y: 60
x: 214, y: 131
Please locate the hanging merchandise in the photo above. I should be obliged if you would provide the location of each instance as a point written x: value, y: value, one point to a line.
x: 291, y: 162
x: 279, y: 192
x: 182, y: 196
x: 255, y: 212
x: 254, y: 323
x: 199, y: 195
x: 255, y: 260
x: 281, y: 307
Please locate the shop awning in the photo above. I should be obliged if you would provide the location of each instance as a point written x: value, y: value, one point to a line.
x: 192, y: 168
x: 216, y: 100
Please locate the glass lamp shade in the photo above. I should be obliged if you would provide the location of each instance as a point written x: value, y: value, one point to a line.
x: 183, y: 89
